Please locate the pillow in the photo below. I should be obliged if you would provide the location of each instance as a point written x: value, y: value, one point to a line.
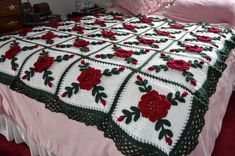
x: 142, y: 6
x: 216, y: 11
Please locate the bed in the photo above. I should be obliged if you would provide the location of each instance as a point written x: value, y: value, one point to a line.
x: 139, y: 57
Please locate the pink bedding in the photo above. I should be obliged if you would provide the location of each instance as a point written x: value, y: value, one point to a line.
x: 142, y: 6
x: 193, y: 11
x: 216, y: 11
x: 64, y: 137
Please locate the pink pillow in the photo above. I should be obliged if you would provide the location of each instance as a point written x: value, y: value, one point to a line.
x: 142, y: 6
x: 203, y: 10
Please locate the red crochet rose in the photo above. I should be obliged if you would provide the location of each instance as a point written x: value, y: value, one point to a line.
x: 118, y: 18
x: 194, y: 48
x: 146, y: 41
x: 129, y: 27
x: 12, y: 52
x: 99, y: 22
x: 48, y: 36
x: 78, y: 28
x: 123, y: 53
x: 43, y: 63
x: 76, y: 19
x: 146, y: 20
x: 89, y: 78
x: 178, y: 65
x: 154, y: 106
x: 26, y: 30
x: 108, y: 34
x: 81, y: 43
x: 204, y: 38
x: 177, y: 26
x: 163, y: 33
x: 54, y: 24
x: 214, y: 30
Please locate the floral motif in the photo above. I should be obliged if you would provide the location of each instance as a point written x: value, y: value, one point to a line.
x: 54, y: 24
x: 177, y: 26
x: 163, y: 33
x: 214, y: 30
x: 204, y: 38
x: 150, y: 42
x: 76, y: 19
x: 89, y: 78
x: 78, y: 28
x: 100, y: 22
x: 146, y: 41
x: 146, y: 20
x: 129, y: 27
x: 24, y: 31
x: 13, y: 51
x: 49, y: 36
x: 81, y: 43
x: 43, y: 63
x: 108, y: 34
x: 178, y: 65
x: 154, y: 105
x: 194, y: 48
x: 123, y: 53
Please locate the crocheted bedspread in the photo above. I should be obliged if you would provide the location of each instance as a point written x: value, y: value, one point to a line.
x: 144, y: 81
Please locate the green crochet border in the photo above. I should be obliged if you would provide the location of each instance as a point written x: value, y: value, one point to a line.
x: 104, y: 122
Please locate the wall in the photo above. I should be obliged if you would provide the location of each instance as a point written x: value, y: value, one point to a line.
x: 61, y: 7
x: 105, y: 3
x: 64, y: 7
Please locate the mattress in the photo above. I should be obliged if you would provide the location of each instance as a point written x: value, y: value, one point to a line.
x: 63, y: 136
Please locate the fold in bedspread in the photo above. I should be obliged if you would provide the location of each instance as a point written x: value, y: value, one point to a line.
x: 144, y: 81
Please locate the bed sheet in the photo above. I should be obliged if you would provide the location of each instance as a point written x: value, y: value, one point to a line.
x: 65, y: 137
